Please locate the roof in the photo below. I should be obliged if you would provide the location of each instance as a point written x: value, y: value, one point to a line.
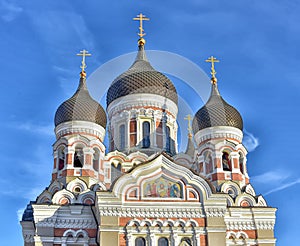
x: 216, y: 112
x: 141, y: 77
x: 81, y: 106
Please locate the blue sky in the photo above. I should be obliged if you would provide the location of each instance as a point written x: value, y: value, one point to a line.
x: 256, y: 41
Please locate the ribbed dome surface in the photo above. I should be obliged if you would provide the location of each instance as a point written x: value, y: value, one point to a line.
x: 216, y: 112
x: 141, y: 77
x: 81, y: 106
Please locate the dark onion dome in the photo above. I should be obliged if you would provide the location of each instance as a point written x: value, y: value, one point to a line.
x: 81, y: 106
x: 141, y: 77
x: 216, y: 112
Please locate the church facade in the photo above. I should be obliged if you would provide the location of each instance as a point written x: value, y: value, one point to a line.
x: 139, y: 190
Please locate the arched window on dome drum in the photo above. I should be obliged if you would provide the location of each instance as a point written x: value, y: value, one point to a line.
x: 96, y: 159
x: 133, y: 132
x: 159, y: 134
x: 140, y: 241
x: 122, y: 137
x: 146, y: 135
x: 78, y: 159
x: 163, y: 241
x: 168, y: 140
x: 226, y: 161
x: 61, y: 158
x: 241, y: 163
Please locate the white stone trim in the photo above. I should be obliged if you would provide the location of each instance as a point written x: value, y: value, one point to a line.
x: 151, y: 212
x: 73, y: 127
x: 219, y: 132
x: 141, y: 100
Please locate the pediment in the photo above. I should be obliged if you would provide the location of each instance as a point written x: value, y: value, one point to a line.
x: 161, y: 179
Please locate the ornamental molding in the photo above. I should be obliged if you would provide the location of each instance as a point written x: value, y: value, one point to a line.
x: 75, y: 127
x: 141, y: 100
x: 215, y: 212
x: 265, y: 225
x: 250, y: 225
x: 219, y: 132
x: 151, y: 212
x: 240, y: 225
x: 67, y: 223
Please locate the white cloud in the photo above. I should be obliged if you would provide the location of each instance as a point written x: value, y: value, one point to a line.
x: 9, y: 11
x: 63, y: 28
x: 283, y: 186
x: 250, y: 141
x: 271, y: 177
x: 45, y: 130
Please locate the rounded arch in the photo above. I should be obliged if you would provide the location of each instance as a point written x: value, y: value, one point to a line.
x: 245, y: 200
x: 63, y: 197
x: 158, y: 222
x: 77, y: 185
x: 134, y: 222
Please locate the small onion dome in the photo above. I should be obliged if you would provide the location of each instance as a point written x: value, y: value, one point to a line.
x: 81, y: 106
x: 141, y: 77
x: 216, y: 112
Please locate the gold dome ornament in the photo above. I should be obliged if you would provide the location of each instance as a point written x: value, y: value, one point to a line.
x: 141, y: 18
x: 84, y: 53
x: 213, y: 72
x: 141, y: 42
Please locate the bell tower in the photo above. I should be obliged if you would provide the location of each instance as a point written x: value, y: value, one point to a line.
x: 80, y: 125
x: 217, y: 128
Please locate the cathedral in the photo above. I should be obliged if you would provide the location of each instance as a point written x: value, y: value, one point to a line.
x: 138, y: 190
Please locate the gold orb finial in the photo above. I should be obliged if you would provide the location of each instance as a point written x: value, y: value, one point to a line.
x: 141, y: 42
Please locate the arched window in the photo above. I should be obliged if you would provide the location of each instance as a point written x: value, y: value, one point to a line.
x: 241, y: 163
x: 168, y: 140
x: 163, y: 241
x: 146, y: 134
x: 140, y: 241
x: 159, y: 134
x: 61, y: 158
x: 122, y: 136
x: 226, y: 162
x: 96, y: 158
x: 133, y: 132
x: 78, y: 157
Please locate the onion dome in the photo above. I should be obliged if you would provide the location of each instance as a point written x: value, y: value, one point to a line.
x: 81, y: 106
x: 141, y: 77
x: 216, y: 112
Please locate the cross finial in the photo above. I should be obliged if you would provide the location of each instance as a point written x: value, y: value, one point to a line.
x: 83, y: 53
x: 141, y: 18
x: 213, y: 72
x: 189, y: 119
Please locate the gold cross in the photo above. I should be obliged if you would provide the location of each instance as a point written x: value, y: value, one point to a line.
x: 141, y: 18
x: 189, y: 119
x: 83, y: 53
x: 213, y: 71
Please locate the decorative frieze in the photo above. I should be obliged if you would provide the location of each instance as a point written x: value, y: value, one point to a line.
x: 67, y: 223
x: 152, y: 212
x: 215, y: 212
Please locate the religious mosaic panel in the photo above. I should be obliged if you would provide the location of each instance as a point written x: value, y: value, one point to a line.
x: 162, y: 188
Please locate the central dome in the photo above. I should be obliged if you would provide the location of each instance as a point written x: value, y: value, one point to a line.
x: 141, y: 77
